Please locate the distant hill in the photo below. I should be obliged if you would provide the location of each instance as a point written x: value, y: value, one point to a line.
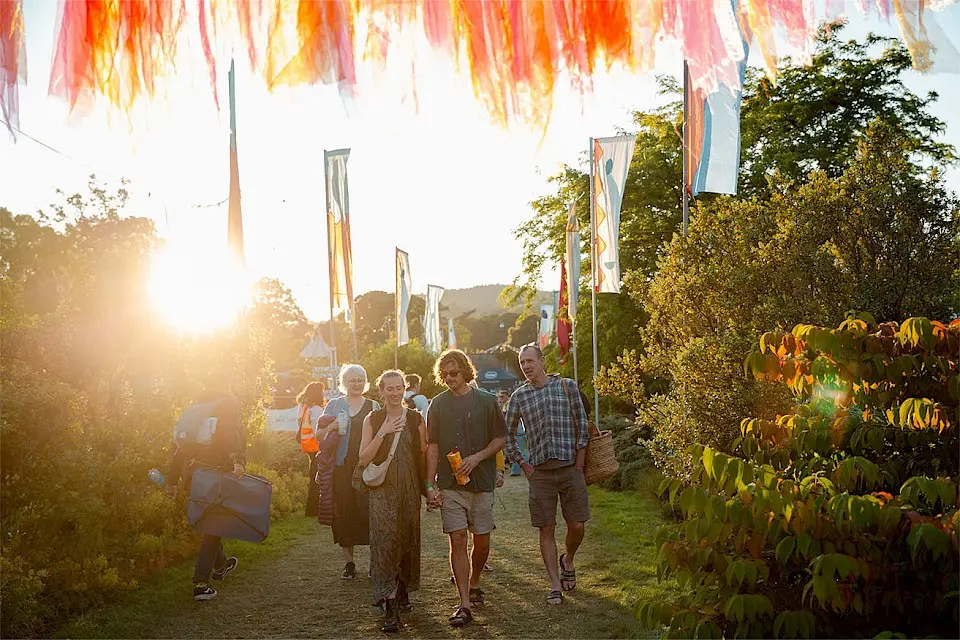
x: 482, y: 299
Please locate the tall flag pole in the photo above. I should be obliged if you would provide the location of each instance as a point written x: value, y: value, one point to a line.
x: 402, y: 295
x: 593, y: 277
x: 234, y: 212
x: 573, y: 280
x: 338, y: 241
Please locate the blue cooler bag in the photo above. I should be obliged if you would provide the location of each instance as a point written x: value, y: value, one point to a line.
x: 221, y: 504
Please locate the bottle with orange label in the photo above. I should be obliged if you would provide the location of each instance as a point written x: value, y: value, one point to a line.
x: 454, y: 459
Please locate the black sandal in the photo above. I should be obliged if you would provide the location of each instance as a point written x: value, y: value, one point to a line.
x: 476, y: 597
x: 461, y: 618
x: 567, y: 576
x: 555, y: 596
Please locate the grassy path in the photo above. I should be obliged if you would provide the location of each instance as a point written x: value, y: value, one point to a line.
x: 289, y: 587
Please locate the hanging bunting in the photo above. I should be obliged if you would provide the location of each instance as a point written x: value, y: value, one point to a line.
x: 513, y: 51
x: 13, y: 62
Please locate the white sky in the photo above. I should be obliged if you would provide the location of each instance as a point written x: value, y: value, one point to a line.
x: 444, y: 184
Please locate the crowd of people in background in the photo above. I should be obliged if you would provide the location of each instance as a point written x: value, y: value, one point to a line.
x: 372, y: 468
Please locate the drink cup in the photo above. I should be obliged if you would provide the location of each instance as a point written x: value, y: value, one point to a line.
x: 342, y: 421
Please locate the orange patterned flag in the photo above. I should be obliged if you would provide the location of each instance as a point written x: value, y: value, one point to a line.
x: 338, y: 231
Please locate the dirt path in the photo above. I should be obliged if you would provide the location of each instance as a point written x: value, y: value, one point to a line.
x: 299, y: 594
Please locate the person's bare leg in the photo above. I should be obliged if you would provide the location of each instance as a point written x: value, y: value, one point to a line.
x: 548, y: 551
x: 347, y: 553
x: 460, y: 565
x: 574, y: 538
x: 481, y: 551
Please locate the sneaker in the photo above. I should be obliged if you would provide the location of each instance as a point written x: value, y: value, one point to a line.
x: 349, y: 572
x: 203, y: 592
x: 230, y: 565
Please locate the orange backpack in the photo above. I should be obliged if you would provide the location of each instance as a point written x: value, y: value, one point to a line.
x: 308, y: 438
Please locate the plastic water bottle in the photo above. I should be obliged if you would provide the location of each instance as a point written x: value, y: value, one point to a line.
x: 156, y: 477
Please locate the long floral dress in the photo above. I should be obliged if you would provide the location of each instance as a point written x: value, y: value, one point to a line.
x: 395, y: 514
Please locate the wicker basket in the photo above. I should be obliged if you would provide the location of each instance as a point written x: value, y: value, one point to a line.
x: 601, y: 459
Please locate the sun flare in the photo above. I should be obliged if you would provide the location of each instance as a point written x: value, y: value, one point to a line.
x: 198, y: 290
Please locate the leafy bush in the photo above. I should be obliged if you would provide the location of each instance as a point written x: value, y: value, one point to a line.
x: 92, y: 384
x: 839, y: 518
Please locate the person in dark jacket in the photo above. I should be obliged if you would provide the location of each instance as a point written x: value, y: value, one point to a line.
x: 225, y: 452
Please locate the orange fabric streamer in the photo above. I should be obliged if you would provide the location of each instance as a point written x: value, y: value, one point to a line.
x: 514, y: 50
x: 13, y: 65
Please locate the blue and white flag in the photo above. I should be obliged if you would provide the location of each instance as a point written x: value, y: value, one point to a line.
x: 431, y: 319
x: 404, y: 287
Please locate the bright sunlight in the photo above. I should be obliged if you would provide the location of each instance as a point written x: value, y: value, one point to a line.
x: 198, y: 290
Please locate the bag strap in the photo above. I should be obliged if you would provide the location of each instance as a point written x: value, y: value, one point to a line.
x: 396, y: 435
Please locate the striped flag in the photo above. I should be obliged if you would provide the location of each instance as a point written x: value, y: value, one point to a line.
x: 611, y: 160
x: 338, y: 232
x: 712, y: 145
x: 234, y: 212
x: 404, y: 287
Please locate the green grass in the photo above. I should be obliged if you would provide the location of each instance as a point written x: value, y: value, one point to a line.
x: 289, y: 586
x: 136, y: 612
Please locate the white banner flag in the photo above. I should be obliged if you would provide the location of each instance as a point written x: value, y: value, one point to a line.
x: 451, y: 336
x: 573, y: 262
x: 611, y: 161
x: 431, y: 320
x: 404, y: 287
x: 338, y: 231
x: 546, y: 325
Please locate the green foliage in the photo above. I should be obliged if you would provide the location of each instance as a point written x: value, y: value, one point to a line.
x: 277, y: 315
x: 412, y: 358
x: 92, y: 384
x: 853, y: 241
x: 838, y: 518
x: 836, y: 194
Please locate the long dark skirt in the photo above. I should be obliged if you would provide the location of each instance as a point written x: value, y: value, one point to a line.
x: 351, y: 511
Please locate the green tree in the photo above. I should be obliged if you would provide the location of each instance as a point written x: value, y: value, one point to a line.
x: 277, y: 315
x: 813, y: 118
x: 883, y: 235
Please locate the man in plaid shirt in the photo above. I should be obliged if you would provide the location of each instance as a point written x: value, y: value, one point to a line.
x: 557, y: 435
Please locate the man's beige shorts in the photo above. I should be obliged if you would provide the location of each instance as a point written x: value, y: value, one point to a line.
x: 467, y: 510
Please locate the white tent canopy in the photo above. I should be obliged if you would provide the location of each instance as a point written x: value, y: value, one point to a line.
x: 316, y: 348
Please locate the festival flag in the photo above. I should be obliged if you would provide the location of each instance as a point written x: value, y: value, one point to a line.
x: 234, y: 212
x: 451, y: 336
x: 338, y: 232
x: 573, y: 263
x: 431, y: 320
x: 546, y: 325
x: 404, y: 286
x: 611, y: 161
x: 564, y: 326
x: 712, y: 145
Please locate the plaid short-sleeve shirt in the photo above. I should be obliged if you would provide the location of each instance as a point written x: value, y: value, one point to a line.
x: 553, y: 417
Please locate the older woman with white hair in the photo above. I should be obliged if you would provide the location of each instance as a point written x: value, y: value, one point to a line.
x: 345, y: 415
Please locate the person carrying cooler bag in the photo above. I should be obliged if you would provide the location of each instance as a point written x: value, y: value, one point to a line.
x: 209, y: 434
